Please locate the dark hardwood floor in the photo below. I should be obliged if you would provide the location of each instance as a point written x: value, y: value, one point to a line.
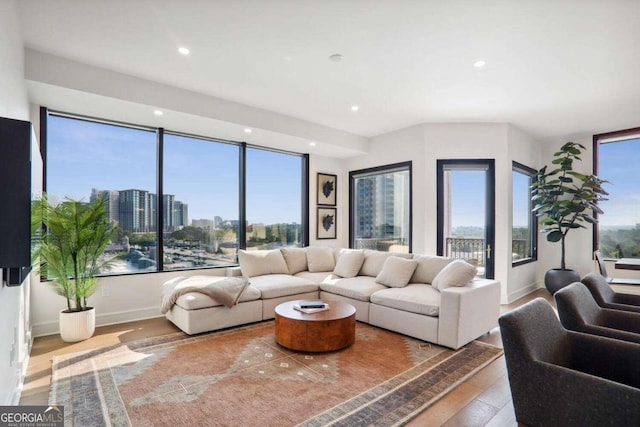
x: 482, y: 400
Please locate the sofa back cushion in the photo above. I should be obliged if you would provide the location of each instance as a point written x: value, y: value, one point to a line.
x: 258, y: 263
x: 296, y: 259
x: 396, y: 272
x: 373, y: 261
x: 428, y: 268
x: 320, y: 258
x: 349, y: 262
x: 456, y: 273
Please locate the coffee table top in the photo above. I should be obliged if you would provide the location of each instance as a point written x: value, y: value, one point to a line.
x: 337, y: 310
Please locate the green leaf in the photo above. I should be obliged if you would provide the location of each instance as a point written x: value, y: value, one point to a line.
x: 554, y: 236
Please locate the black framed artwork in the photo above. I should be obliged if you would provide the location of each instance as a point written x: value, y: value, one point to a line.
x: 327, y: 188
x: 326, y: 223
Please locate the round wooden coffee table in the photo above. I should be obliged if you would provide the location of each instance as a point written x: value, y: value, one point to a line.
x: 328, y: 330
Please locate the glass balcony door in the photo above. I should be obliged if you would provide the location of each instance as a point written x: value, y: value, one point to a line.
x: 466, y: 212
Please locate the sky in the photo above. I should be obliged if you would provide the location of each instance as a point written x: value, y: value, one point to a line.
x: 619, y: 163
x: 82, y: 155
x: 468, y: 198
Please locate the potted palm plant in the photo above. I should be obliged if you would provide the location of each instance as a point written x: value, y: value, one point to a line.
x: 565, y: 200
x: 71, y: 254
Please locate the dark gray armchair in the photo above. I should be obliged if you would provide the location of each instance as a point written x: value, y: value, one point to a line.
x: 606, y: 297
x: 563, y: 378
x: 579, y: 312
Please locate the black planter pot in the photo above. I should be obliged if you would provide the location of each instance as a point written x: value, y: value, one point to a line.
x: 557, y: 278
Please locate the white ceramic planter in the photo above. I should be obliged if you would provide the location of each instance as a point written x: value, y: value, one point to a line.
x: 77, y: 326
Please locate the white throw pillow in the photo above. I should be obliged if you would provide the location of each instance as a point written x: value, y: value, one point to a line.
x: 349, y: 263
x: 320, y: 258
x: 456, y: 273
x: 396, y: 272
x: 258, y: 263
x: 428, y: 268
x: 374, y: 260
x: 296, y: 259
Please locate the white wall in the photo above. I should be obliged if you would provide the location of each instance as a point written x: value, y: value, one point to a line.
x: 424, y: 145
x: 321, y: 164
x: 395, y: 147
x: 579, y: 242
x: 14, y: 301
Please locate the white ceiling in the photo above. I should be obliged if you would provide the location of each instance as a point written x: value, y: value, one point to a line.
x: 554, y: 67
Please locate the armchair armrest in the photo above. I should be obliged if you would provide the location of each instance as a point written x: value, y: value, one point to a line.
x: 627, y: 299
x: 606, y: 357
x: 623, y: 320
x: 468, y: 312
x: 574, y: 398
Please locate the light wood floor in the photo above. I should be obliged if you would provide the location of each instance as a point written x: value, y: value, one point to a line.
x: 482, y: 400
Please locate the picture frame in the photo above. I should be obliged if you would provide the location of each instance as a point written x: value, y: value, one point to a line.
x: 326, y: 220
x: 327, y: 189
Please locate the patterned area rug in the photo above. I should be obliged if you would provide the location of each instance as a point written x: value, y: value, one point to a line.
x: 242, y: 377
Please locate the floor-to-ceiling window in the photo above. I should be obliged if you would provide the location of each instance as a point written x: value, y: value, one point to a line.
x: 523, y: 224
x: 380, y: 208
x: 88, y: 159
x: 466, y: 211
x: 178, y: 201
x: 616, y: 159
x: 273, y: 187
x: 200, y: 202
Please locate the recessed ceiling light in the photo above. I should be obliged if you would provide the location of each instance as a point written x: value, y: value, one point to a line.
x: 312, y: 144
x: 248, y: 130
x: 183, y: 51
x: 336, y: 57
x: 355, y: 108
x: 158, y: 112
x: 480, y: 63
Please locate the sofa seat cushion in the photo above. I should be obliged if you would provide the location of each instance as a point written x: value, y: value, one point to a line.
x: 359, y: 288
x: 196, y: 300
x: 317, y: 277
x: 415, y: 298
x: 280, y: 285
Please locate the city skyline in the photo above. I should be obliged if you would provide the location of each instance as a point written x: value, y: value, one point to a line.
x: 82, y: 155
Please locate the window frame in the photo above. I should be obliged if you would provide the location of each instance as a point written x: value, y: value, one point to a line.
x: 533, y: 219
x: 45, y: 113
x: 380, y: 170
x: 597, y: 140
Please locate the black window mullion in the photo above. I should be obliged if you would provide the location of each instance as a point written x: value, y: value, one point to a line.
x: 159, y: 197
x: 242, y: 187
x: 305, y: 200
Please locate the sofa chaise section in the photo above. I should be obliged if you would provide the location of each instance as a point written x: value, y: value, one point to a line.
x: 195, y: 313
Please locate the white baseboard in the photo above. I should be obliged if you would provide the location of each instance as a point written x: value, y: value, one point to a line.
x: 522, y: 292
x: 52, y: 328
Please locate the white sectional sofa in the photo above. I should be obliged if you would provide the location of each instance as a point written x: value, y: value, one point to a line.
x: 435, y: 299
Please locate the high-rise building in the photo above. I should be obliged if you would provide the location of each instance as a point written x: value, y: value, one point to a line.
x: 135, y: 211
x: 380, y: 205
x: 168, y: 207
x: 112, y: 203
x: 181, y: 214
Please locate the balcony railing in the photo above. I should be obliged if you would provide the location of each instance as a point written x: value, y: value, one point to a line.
x: 473, y: 248
x: 465, y: 248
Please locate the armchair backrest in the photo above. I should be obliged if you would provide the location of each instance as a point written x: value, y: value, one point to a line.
x: 532, y: 332
x: 576, y: 307
x: 599, y: 288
